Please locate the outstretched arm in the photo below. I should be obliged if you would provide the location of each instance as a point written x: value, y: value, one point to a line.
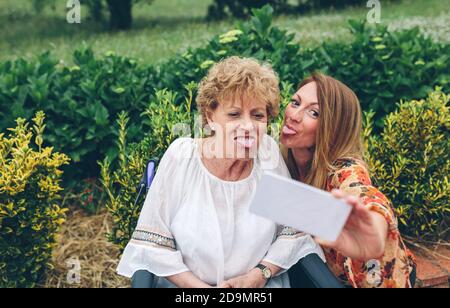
x: 364, y: 234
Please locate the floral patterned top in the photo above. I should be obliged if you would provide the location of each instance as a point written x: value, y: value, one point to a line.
x: 393, y: 269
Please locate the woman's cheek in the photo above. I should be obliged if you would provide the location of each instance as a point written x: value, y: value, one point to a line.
x: 310, y: 124
x: 313, y: 125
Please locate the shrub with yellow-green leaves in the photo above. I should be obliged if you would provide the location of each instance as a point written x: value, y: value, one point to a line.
x: 29, y: 212
x: 411, y: 164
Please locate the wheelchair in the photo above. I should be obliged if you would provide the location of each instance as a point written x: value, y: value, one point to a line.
x: 309, y: 272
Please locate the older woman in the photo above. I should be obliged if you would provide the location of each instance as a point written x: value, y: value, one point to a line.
x: 322, y: 146
x: 195, y: 229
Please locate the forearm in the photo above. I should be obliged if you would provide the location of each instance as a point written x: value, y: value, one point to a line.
x: 253, y: 279
x: 290, y: 247
x: 257, y: 277
x: 187, y: 280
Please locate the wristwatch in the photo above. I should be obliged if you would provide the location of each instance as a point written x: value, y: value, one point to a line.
x: 266, y: 272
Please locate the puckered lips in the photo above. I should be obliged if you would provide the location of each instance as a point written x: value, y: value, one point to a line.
x: 288, y: 130
x: 245, y: 141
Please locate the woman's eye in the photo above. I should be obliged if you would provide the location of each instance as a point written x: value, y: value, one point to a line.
x: 259, y: 116
x: 315, y: 114
x: 233, y: 114
x: 295, y: 103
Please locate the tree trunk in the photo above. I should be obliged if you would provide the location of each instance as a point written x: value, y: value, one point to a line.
x: 120, y: 14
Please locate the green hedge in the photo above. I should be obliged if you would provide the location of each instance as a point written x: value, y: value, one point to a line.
x: 82, y: 101
x: 382, y: 67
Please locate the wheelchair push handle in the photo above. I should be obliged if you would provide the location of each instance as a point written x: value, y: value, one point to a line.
x: 145, y: 182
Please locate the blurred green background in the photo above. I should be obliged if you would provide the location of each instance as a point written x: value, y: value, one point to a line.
x: 166, y: 27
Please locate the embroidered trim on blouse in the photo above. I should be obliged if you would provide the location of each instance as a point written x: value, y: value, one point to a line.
x: 288, y: 231
x: 146, y: 236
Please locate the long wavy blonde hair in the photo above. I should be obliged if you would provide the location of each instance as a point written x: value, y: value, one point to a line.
x: 338, y: 134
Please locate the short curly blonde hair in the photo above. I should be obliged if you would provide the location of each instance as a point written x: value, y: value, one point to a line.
x: 234, y: 78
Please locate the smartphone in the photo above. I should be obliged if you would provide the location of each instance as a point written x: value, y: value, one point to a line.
x: 300, y: 206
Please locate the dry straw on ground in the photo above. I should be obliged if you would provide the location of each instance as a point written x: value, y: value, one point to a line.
x: 83, y: 237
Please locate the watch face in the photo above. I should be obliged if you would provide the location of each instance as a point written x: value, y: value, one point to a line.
x: 266, y: 273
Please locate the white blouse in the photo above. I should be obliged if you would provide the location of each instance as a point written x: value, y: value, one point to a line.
x: 194, y: 221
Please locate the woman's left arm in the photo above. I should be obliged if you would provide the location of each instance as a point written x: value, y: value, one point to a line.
x: 287, y: 249
x: 253, y: 279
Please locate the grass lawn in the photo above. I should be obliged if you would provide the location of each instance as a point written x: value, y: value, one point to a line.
x: 171, y: 26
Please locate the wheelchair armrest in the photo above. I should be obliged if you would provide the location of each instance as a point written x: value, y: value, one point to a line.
x: 143, y: 279
x: 312, y: 272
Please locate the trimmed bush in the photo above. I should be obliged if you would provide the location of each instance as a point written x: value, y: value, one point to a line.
x: 29, y: 212
x: 411, y: 164
x: 81, y: 102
